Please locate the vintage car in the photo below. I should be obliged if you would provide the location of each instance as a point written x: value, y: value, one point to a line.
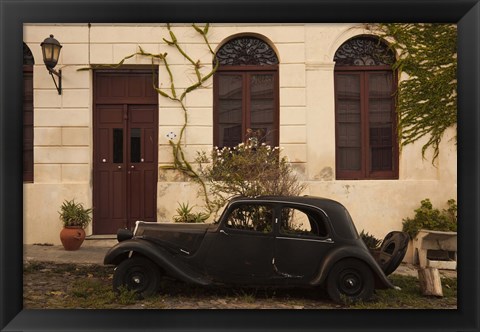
x: 265, y: 241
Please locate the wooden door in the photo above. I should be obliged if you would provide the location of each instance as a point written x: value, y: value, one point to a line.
x: 125, y: 150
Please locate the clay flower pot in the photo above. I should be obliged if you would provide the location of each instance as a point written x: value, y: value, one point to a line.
x: 74, y: 218
x: 72, y: 237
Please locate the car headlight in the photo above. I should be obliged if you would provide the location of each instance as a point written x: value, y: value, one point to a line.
x: 124, y: 234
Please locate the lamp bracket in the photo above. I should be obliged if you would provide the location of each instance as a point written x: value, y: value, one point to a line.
x: 59, y: 75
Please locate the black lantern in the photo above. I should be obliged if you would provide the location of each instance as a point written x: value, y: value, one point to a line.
x: 51, y: 52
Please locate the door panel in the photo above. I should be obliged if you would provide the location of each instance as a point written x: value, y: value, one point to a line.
x: 109, y: 164
x: 142, y: 162
x: 125, y: 150
x: 301, y: 244
x: 243, y: 250
x: 241, y: 256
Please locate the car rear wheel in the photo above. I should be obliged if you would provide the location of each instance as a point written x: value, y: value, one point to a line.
x: 350, y: 280
x: 137, y: 274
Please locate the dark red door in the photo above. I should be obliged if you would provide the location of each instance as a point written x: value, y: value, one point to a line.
x: 125, y: 150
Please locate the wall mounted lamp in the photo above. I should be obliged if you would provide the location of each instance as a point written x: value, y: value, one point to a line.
x: 51, y: 52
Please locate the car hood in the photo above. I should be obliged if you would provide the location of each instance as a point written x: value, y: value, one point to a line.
x: 176, y: 237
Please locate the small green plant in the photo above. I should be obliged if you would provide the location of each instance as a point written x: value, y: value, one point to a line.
x: 370, y: 241
x: 426, y: 217
x: 74, y: 214
x: 185, y: 214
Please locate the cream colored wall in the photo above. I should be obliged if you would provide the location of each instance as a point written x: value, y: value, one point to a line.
x: 378, y: 206
x: 62, y: 133
x: 63, y: 124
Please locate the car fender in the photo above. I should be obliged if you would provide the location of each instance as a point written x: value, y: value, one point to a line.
x: 158, y: 255
x: 338, y: 254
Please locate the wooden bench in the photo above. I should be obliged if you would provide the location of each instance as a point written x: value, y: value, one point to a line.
x: 429, y: 243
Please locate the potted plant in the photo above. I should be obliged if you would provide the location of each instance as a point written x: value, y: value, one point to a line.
x: 74, y: 218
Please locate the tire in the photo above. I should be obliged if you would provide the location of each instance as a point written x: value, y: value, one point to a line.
x: 137, y: 274
x: 349, y: 281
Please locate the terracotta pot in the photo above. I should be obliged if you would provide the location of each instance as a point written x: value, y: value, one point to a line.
x: 72, y: 237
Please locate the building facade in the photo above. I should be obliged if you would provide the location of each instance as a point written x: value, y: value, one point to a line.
x: 322, y: 92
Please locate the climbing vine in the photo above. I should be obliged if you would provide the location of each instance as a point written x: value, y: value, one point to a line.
x: 427, y: 97
x: 180, y: 163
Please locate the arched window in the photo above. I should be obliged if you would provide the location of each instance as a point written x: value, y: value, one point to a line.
x: 246, y: 93
x: 28, y: 63
x: 365, y: 116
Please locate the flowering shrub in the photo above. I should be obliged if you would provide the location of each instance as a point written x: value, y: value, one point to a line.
x: 252, y: 169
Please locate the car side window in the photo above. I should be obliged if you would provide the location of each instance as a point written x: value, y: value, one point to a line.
x: 251, y: 217
x: 298, y: 222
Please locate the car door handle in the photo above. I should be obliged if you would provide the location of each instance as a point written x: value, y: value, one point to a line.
x: 223, y: 232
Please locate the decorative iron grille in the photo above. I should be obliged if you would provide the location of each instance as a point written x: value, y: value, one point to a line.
x: 243, y: 51
x: 364, y: 51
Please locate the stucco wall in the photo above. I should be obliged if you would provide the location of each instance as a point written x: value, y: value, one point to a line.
x: 63, y: 123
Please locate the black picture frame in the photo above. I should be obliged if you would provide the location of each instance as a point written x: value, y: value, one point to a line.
x: 14, y: 13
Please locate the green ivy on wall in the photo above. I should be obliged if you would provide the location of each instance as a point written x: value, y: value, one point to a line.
x: 427, y: 97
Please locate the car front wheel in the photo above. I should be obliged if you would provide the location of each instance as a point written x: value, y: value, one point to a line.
x: 137, y: 274
x: 350, y: 280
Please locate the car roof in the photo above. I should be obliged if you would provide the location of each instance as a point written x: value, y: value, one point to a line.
x: 320, y: 202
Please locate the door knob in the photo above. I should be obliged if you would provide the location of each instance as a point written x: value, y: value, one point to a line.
x: 119, y: 167
x: 132, y: 166
x: 104, y: 160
